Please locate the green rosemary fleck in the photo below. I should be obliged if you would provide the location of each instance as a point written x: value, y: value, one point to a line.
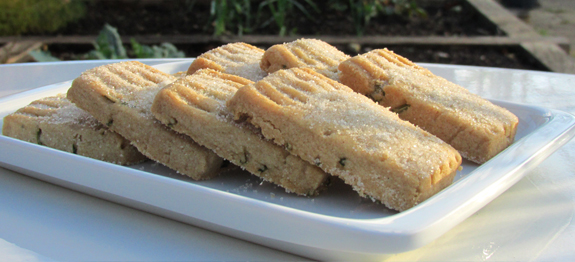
x: 38, y: 134
x: 172, y: 122
x: 263, y: 169
x: 109, y: 99
x: 400, y: 109
x: 342, y: 161
x: 244, y: 159
x: 378, y: 94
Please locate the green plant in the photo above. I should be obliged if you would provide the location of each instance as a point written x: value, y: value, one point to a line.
x: 408, y: 8
x: 225, y: 14
x: 543, y: 32
x: 362, y: 12
x: 37, y: 16
x: 219, y: 13
x: 42, y: 56
x: 338, y: 5
x: 109, y: 45
x: 244, y: 17
x: 281, y: 8
x: 164, y: 50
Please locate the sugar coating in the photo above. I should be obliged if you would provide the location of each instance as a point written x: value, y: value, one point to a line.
x: 120, y: 96
x: 471, y: 124
x: 57, y: 123
x: 378, y: 133
x: 70, y: 113
x: 239, y: 59
x: 195, y: 106
x: 313, y: 53
x: 143, y: 99
x: 348, y: 135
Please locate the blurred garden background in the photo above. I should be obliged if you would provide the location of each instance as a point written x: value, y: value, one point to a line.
x: 463, y: 32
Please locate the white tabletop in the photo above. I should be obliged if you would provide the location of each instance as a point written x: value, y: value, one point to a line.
x: 533, y: 220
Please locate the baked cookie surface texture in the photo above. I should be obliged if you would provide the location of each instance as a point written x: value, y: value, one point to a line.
x: 239, y: 59
x: 57, y: 123
x: 195, y: 105
x: 313, y: 53
x: 348, y: 135
x: 120, y: 96
x: 471, y: 124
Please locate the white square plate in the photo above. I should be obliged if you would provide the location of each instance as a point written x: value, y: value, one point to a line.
x: 335, y: 225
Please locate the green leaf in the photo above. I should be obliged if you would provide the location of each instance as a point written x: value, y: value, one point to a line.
x: 42, y: 56
x: 109, y: 44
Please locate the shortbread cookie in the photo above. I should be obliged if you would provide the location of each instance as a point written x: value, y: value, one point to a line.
x: 239, y: 59
x: 348, y: 135
x: 120, y: 96
x: 195, y: 106
x: 469, y: 123
x: 57, y: 123
x: 312, y: 53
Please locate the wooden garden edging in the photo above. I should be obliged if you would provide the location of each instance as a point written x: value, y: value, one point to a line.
x: 551, y: 55
x: 17, y: 51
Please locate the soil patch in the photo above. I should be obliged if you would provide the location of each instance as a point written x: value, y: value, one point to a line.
x: 180, y: 17
x: 183, y: 17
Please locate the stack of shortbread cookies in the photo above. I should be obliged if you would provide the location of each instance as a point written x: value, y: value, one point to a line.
x: 293, y: 115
